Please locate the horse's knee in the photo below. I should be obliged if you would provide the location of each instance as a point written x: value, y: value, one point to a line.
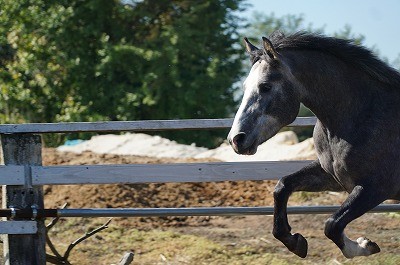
x: 280, y: 190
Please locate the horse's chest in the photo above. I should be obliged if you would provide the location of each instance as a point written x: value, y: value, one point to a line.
x: 335, y: 157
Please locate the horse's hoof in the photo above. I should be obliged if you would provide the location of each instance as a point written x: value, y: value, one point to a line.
x: 369, y: 246
x: 301, y: 246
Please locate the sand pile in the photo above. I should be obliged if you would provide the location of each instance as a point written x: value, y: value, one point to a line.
x: 283, y: 146
x: 138, y: 144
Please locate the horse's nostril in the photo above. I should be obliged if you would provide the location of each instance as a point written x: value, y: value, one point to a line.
x: 238, y: 139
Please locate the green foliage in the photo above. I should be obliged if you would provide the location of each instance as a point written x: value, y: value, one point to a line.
x: 346, y: 33
x: 112, y: 60
x: 263, y: 25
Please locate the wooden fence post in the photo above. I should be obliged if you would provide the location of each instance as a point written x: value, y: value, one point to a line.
x: 24, y: 149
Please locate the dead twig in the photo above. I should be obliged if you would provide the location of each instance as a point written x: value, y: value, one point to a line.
x: 57, y: 255
x: 86, y: 236
x: 54, y: 260
x: 57, y: 258
x: 53, y: 249
x: 54, y: 221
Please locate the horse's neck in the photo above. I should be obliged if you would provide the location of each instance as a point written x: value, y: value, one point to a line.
x: 334, y: 91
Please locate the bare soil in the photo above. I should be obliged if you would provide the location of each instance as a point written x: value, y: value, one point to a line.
x: 246, y: 193
x: 233, y: 232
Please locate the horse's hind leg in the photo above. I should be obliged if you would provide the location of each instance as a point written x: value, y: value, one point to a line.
x: 310, y: 178
x: 360, y: 200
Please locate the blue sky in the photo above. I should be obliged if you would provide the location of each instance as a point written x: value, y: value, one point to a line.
x: 377, y: 20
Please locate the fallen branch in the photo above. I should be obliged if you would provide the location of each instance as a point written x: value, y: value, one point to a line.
x: 54, y: 221
x: 53, y: 249
x: 86, y: 236
x: 59, y: 259
x: 57, y: 255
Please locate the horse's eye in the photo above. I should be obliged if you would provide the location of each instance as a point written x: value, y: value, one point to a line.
x: 265, y: 87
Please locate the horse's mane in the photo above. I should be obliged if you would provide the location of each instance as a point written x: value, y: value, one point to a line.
x: 345, y: 50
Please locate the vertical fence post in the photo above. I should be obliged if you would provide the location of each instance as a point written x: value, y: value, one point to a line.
x: 24, y: 149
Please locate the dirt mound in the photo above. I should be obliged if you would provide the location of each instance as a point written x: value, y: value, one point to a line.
x: 283, y: 146
x: 280, y: 149
x: 245, y: 193
x: 134, y: 144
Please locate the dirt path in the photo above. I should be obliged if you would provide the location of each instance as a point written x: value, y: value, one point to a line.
x: 255, y: 232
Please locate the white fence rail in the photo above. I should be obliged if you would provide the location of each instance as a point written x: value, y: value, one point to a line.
x: 163, y: 173
x: 134, y: 126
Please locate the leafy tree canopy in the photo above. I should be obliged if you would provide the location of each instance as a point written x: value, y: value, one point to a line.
x: 118, y: 60
x: 263, y: 24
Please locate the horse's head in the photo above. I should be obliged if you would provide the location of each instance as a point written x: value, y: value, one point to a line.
x: 270, y: 100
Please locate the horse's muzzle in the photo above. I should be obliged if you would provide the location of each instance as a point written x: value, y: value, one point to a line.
x: 238, y: 143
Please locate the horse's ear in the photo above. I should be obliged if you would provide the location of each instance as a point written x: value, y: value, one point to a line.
x: 249, y: 47
x: 269, y: 48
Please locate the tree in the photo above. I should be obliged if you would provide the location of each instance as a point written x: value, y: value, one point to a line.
x: 265, y: 24
x: 262, y: 24
x: 112, y: 60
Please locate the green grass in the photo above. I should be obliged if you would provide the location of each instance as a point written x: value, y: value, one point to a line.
x: 154, y: 247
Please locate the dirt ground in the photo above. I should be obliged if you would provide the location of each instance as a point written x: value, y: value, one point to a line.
x: 232, y: 232
x: 149, y: 195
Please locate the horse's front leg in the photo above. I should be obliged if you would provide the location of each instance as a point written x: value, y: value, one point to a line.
x: 360, y: 200
x: 311, y: 178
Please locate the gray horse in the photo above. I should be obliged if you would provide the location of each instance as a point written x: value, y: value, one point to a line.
x: 356, y: 98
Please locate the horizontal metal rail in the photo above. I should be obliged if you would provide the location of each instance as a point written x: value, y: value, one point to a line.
x: 195, y: 211
x: 134, y: 126
x: 209, y: 211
